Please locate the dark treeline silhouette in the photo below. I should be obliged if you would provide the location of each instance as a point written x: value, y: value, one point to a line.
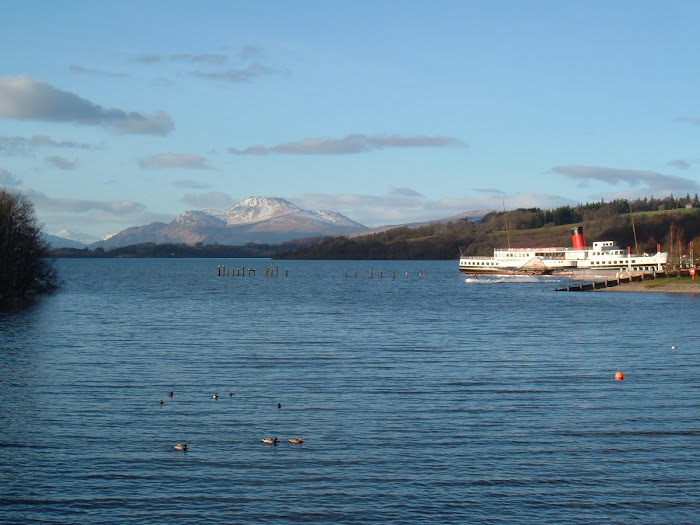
x: 151, y: 249
x: 24, y: 267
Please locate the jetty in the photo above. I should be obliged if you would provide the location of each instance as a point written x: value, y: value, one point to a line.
x: 626, y: 280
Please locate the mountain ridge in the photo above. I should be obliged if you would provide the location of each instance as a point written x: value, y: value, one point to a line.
x: 262, y: 220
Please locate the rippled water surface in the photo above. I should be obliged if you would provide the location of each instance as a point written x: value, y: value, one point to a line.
x: 435, y: 399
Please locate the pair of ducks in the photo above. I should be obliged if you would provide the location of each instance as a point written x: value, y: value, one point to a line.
x: 268, y: 440
x: 216, y: 396
x: 273, y: 441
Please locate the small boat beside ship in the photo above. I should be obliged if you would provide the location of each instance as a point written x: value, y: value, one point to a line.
x: 603, y: 258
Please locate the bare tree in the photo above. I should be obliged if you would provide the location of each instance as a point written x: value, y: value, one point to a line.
x: 24, y: 265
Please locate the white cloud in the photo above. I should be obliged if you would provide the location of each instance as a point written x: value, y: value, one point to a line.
x: 25, y: 98
x: 356, y: 143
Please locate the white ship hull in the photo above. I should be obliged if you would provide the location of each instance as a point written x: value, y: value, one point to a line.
x: 604, y: 257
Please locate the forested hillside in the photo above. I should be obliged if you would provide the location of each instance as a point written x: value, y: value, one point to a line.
x: 670, y: 222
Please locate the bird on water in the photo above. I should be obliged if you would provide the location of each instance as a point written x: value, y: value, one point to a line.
x: 270, y: 441
x: 296, y: 441
x: 180, y: 446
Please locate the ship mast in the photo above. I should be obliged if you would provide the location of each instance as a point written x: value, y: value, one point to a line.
x: 634, y: 231
x: 505, y: 218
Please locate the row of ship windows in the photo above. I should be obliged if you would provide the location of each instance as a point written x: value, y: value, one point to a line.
x: 613, y: 262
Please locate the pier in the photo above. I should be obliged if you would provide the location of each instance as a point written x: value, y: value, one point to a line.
x: 618, y: 281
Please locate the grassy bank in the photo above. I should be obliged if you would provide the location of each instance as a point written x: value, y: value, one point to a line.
x: 667, y: 285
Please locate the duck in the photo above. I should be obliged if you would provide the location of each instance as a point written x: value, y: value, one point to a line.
x: 230, y: 394
x: 279, y: 405
x: 180, y: 446
x: 161, y: 402
x: 270, y: 441
x: 215, y: 396
x: 296, y: 441
x: 170, y: 394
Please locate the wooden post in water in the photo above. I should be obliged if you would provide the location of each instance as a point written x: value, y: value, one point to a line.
x: 219, y: 271
x: 380, y: 274
x: 393, y: 274
x: 370, y: 272
x: 355, y: 274
x: 286, y: 273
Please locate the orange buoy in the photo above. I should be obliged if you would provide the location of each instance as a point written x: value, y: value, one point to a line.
x: 619, y: 376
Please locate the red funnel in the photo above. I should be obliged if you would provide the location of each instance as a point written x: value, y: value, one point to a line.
x: 577, y: 238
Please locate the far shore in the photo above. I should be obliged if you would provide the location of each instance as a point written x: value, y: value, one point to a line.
x: 670, y: 285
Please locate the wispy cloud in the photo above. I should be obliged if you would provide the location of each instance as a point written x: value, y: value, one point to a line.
x: 62, y: 163
x: 405, y: 192
x: 410, y: 206
x: 174, y: 160
x: 66, y: 205
x: 25, y: 98
x: 490, y: 191
x: 81, y: 70
x: 244, y: 74
x: 350, y: 144
x: 22, y: 146
x: 190, y: 184
x: 8, y: 179
x: 246, y: 66
x: 679, y: 164
x: 689, y: 120
x: 207, y: 58
x: 212, y: 199
x: 649, y: 181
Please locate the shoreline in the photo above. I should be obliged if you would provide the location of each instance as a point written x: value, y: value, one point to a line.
x: 657, y: 285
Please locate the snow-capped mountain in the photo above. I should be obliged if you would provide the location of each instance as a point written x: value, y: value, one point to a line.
x: 255, y: 219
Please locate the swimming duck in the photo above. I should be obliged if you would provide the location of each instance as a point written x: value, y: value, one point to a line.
x: 215, y: 396
x: 279, y: 405
x: 180, y: 446
x: 296, y: 441
x: 270, y: 441
x: 230, y: 394
x: 161, y: 401
x: 170, y: 394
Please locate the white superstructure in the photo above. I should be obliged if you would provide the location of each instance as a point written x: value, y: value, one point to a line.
x: 602, y: 256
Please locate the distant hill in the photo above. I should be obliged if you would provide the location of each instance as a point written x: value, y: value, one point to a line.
x: 61, y: 242
x: 254, y: 220
x: 668, y: 222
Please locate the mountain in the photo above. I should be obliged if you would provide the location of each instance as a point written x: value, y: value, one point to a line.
x: 255, y: 219
x: 56, y: 241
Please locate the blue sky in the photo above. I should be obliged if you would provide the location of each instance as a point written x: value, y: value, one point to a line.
x: 115, y: 114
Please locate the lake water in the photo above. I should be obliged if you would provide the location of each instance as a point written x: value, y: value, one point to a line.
x: 433, y: 399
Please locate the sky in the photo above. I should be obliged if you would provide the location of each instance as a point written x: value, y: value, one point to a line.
x: 122, y: 113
